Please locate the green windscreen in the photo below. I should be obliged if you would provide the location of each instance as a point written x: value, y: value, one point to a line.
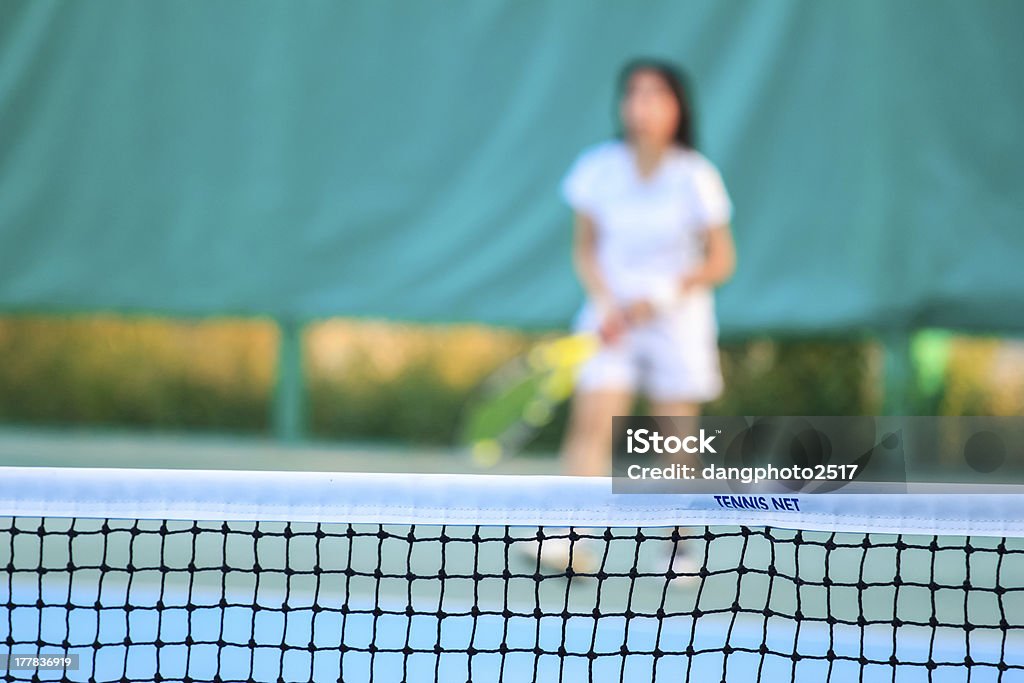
x: 401, y: 159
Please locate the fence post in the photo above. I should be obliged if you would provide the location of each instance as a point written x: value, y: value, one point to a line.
x: 288, y: 416
x: 900, y: 376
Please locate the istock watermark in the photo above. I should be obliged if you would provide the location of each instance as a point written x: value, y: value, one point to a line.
x: 643, y: 441
x: 745, y: 455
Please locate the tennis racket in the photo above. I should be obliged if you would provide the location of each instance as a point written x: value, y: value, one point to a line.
x: 516, y: 401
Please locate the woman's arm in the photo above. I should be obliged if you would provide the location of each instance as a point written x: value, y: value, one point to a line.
x: 719, y: 260
x: 718, y: 266
x: 584, y: 256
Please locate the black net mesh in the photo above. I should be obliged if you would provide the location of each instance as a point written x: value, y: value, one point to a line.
x: 191, y: 601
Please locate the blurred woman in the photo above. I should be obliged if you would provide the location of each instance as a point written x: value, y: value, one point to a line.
x: 652, y: 240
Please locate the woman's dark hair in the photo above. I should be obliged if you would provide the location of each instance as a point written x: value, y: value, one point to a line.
x: 677, y: 84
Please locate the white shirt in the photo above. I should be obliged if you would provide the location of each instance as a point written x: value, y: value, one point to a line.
x: 649, y: 230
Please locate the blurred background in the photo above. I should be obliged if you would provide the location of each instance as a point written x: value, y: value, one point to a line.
x: 327, y: 221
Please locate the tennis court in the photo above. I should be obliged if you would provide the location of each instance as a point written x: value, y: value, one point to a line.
x: 273, y: 585
x: 489, y: 227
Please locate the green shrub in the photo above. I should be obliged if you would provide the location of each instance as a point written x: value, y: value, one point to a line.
x: 365, y: 380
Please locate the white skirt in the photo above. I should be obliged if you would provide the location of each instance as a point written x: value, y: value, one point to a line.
x: 674, y: 357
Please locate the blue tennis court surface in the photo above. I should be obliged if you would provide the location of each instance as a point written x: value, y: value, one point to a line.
x: 234, y: 659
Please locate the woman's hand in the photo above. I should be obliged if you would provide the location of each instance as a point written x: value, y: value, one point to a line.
x: 613, y: 321
x: 640, y: 312
x: 613, y: 326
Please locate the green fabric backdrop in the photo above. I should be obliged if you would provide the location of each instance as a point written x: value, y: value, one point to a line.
x: 401, y: 159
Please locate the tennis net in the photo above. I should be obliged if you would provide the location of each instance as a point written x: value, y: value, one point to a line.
x: 228, y: 576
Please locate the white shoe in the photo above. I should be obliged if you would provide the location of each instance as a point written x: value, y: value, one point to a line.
x: 558, y: 555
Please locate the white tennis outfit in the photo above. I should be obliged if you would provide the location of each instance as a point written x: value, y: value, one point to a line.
x: 650, y: 233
